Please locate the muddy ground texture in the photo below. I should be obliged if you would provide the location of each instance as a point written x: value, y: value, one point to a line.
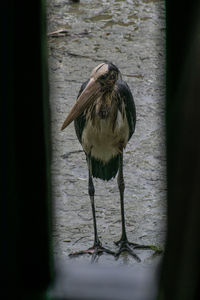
x: 131, y: 35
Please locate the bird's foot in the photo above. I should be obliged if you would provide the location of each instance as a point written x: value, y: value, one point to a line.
x: 96, y: 250
x: 126, y: 246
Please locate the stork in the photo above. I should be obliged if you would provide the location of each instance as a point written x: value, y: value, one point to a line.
x: 105, y: 118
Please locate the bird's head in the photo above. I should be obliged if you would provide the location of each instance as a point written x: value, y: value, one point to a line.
x: 102, y: 79
x: 105, y: 74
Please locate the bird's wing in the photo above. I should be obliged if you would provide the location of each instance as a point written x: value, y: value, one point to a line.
x: 79, y: 123
x: 125, y: 94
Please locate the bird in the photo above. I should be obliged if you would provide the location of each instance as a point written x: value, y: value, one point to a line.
x: 104, y: 116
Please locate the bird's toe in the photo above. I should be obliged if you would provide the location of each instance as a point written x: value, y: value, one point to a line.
x: 126, y: 247
x: 95, y: 251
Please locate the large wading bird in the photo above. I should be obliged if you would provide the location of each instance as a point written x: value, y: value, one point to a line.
x: 105, y: 117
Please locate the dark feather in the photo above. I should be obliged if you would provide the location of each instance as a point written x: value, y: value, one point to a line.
x: 79, y: 123
x: 105, y: 171
x: 124, y: 94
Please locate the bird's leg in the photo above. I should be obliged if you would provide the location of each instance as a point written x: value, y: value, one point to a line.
x: 121, y: 185
x: 123, y: 243
x: 97, y: 248
x: 91, y: 192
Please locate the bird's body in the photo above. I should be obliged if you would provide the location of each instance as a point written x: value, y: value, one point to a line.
x: 103, y: 140
x: 106, y: 137
x: 105, y: 117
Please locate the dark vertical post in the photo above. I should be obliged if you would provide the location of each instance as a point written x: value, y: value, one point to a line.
x: 25, y: 151
x: 180, y: 273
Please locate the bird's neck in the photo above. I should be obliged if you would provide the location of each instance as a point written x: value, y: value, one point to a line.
x: 105, y: 105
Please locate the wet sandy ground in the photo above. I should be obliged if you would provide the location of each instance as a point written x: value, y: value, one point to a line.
x: 130, y: 34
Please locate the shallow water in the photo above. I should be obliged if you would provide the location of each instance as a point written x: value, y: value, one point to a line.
x: 130, y: 34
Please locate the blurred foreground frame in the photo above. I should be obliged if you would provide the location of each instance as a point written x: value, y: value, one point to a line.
x: 26, y: 251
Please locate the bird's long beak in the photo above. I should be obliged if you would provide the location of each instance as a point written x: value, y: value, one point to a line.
x: 89, y: 94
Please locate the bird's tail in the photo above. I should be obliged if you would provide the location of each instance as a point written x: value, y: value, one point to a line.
x: 105, y: 171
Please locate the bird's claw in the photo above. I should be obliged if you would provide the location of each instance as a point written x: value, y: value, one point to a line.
x: 122, y: 242
x: 127, y: 246
x: 99, y: 251
x: 95, y: 251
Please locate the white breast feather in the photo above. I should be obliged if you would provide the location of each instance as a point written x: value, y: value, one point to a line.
x: 101, y: 140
